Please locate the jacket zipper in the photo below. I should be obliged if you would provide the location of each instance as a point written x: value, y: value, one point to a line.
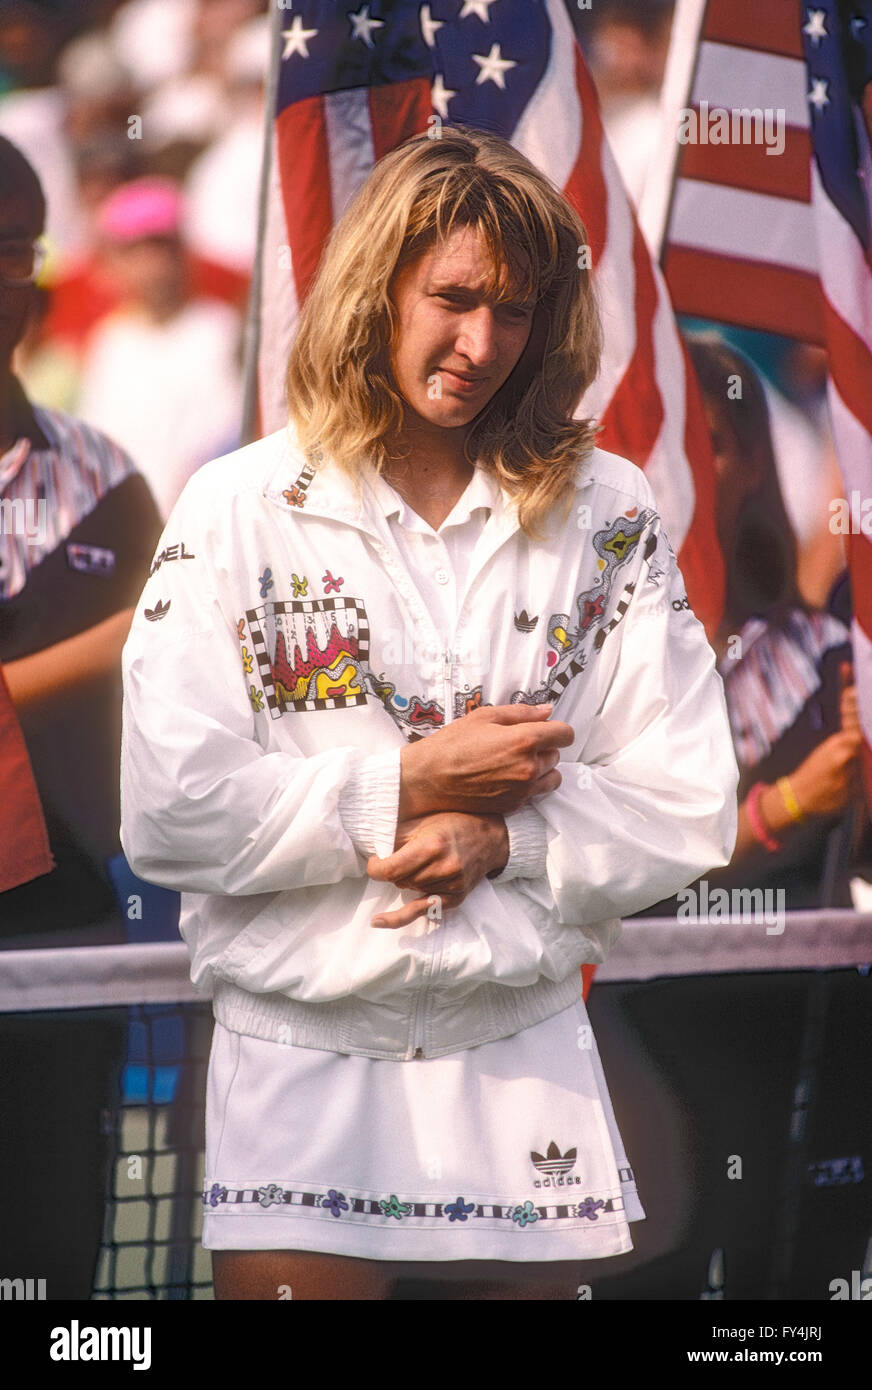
x: 418, y: 1022
x: 435, y: 956
x: 447, y: 668
x: 418, y: 1028
x: 431, y: 968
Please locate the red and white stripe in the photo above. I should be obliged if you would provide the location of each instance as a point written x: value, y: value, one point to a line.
x: 741, y: 224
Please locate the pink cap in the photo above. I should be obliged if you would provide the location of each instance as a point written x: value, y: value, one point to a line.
x: 146, y: 207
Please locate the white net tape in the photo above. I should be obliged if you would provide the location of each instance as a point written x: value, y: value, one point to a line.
x: 93, y: 976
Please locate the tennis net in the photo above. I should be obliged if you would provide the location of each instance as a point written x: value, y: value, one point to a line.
x: 102, y: 1093
x: 105, y: 1093
x: 150, y: 1246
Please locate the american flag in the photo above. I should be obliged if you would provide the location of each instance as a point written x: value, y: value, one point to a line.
x: 356, y: 80
x: 782, y: 243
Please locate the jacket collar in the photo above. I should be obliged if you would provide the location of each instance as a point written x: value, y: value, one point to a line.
x: 312, y: 484
x: 482, y: 491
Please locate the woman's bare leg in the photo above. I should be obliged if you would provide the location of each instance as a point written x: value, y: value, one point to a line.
x: 274, y: 1275
x: 463, y: 1280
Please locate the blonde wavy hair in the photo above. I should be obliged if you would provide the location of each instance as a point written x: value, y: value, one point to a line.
x: 341, y: 391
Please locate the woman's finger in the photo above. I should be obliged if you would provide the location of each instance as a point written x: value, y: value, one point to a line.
x: 406, y: 914
x: 415, y: 855
x: 403, y: 916
x: 425, y: 883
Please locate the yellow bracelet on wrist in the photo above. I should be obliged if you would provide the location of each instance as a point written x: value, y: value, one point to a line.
x: 794, y: 810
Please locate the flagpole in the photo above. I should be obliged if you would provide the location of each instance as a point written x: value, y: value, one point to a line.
x: 251, y: 341
x: 654, y: 206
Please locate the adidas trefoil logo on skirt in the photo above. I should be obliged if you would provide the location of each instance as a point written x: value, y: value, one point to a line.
x: 557, y: 1167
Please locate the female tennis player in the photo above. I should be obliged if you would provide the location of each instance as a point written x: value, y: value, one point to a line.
x: 415, y: 710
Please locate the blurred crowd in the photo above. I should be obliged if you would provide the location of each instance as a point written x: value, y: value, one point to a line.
x: 144, y: 122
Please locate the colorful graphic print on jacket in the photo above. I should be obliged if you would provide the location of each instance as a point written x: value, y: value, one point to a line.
x: 314, y: 654
x: 311, y: 653
x: 570, y: 645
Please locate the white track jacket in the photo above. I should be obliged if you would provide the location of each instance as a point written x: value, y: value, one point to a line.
x: 278, y: 661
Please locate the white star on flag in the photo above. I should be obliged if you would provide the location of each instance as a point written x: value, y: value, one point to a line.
x: 440, y: 95
x: 815, y: 28
x: 362, y: 25
x: 429, y: 26
x: 477, y: 7
x: 818, y: 94
x: 493, y: 66
x: 295, y: 39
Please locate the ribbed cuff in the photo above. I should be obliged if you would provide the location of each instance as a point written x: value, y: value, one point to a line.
x: 369, y: 801
x: 528, y: 845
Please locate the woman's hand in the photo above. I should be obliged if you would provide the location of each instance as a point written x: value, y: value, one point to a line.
x: 828, y: 778
x: 824, y: 783
x: 489, y: 762
x: 447, y: 853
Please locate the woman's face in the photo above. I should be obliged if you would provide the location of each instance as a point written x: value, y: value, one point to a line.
x: 455, y: 346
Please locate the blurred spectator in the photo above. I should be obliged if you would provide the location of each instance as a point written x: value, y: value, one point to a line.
x: 627, y: 57
x: 794, y: 378
x: 59, y: 127
x: 100, y: 93
x: 157, y: 37
x: 223, y: 185
x: 78, y: 530
x: 162, y: 373
x: 33, y: 119
x: 786, y: 666
x: 71, y: 566
x: 82, y: 296
x: 809, y: 475
x: 803, y: 377
x: 98, y: 87
x: 183, y: 112
x: 31, y: 36
x: 215, y: 24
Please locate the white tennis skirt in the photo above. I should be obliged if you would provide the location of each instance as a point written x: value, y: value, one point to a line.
x: 507, y: 1151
